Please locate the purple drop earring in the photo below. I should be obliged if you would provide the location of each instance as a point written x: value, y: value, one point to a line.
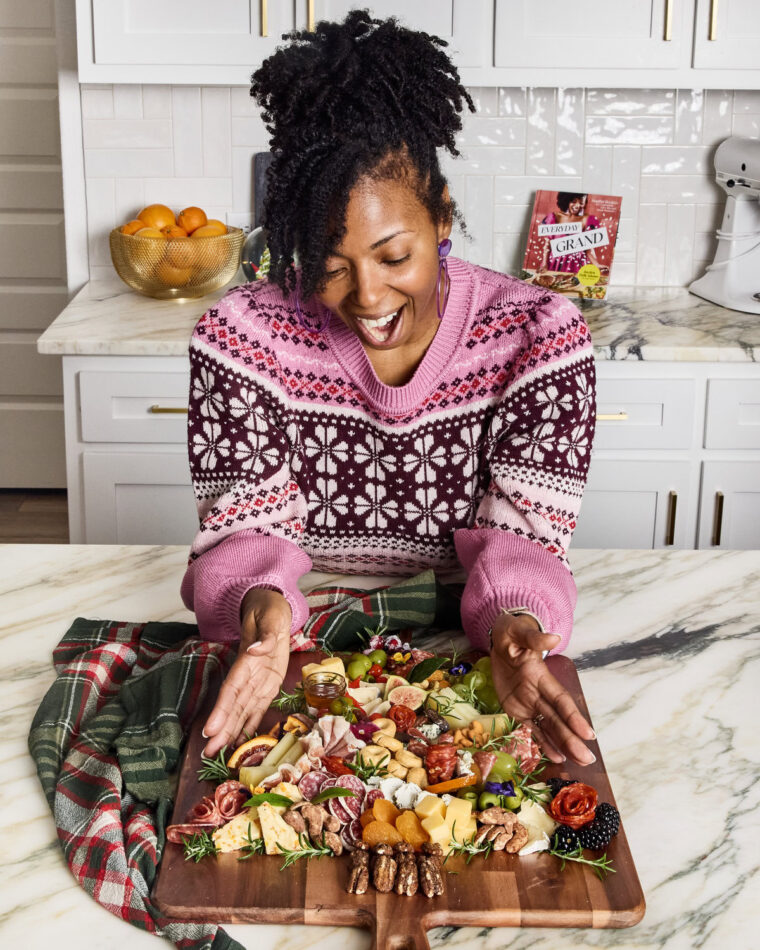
x: 443, y: 271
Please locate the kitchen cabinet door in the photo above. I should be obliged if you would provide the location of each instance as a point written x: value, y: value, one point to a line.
x: 727, y: 34
x: 466, y: 25
x: 729, y: 510
x: 174, y: 40
x: 591, y: 34
x: 634, y: 504
x: 138, y: 498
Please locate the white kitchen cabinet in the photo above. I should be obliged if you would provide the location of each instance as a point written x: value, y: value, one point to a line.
x: 727, y: 33
x: 634, y: 504
x: 730, y: 505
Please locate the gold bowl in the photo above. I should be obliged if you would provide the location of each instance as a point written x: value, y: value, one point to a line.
x: 177, y: 267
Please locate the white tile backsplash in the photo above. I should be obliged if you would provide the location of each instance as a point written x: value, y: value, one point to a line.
x: 189, y: 145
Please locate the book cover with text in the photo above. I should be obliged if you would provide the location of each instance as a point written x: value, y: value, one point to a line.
x: 571, y: 242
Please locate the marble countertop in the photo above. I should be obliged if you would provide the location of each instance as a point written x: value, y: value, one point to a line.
x: 635, y: 323
x: 666, y: 643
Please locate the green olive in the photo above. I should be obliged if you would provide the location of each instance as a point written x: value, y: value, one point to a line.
x: 337, y: 707
x: 356, y: 670
x: 469, y: 795
x: 512, y: 802
x: 378, y: 656
x: 488, y: 799
x: 360, y: 658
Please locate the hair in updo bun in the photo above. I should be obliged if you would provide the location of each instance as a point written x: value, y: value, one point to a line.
x: 360, y: 98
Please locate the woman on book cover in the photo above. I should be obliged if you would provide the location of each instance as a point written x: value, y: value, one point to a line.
x: 571, y: 209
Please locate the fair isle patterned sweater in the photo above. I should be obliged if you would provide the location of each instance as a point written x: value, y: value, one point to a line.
x: 302, y: 458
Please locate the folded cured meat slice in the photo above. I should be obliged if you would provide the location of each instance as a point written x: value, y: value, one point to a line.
x: 177, y: 834
x: 523, y: 747
x: 230, y: 798
x: 205, y: 812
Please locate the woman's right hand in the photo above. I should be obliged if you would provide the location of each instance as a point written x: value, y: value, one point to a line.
x: 256, y: 675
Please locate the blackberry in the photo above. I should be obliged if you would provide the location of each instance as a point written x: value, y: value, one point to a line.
x: 555, y: 784
x: 564, y: 839
x: 597, y: 834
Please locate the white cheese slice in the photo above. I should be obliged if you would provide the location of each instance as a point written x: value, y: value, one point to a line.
x: 538, y: 841
x: 234, y: 835
x: 533, y: 816
x: 276, y: 831
x: 389, y: 786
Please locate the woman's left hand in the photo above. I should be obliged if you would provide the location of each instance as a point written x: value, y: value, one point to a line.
x: 527, y: 690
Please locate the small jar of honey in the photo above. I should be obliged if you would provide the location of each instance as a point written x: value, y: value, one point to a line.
x: 322, y: 687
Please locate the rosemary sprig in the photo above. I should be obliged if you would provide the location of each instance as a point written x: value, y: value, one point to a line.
x: 252, y: 846
x: 214, y: 770
x: 537, y: 792
x: 602, y: 866
x: 199, y: 846
x: 456, y: 655
x: 290, y: 702
x: 307, y: 850
x: 470, y: 848
x: 366, y: 770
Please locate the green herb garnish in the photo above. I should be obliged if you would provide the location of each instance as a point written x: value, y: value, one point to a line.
x: 335, y: 792
x: 366, y: 770
x: 291, y: 702
x: 307, y: 850
x: 252, y: 846
x: 470, y: 848
x: 214, y: 770
x: 200, y: 846
x: 425, y: 667
x: 270, y: 798
x: 602, y: 866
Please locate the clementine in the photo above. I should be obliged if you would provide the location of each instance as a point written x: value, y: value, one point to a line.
x: 191, y: 218
x: 173, y: 276
x: 174, y: 231
x: 157, y: 216
x: 132, y: 226
x: 151, y: 233
x: 181, y: 253
x: 207, y: 230
x: 216, y: 223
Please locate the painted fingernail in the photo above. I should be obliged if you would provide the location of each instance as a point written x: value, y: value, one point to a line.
x: 591, y: 760
x: 203, y: 733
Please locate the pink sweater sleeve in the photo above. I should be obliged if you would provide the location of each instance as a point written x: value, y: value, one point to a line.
x: 216, y: 582
x: 539, y: 446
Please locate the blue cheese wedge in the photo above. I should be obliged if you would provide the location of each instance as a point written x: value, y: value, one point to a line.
x: 236, y: 833
x: 276, y: 833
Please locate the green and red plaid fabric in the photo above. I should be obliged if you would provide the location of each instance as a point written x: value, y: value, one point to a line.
x: 107, y: 737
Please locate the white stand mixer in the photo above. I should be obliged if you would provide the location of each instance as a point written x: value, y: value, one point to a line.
x: 733, y: 279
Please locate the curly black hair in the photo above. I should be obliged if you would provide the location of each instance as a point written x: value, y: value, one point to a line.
x: 565, y: 197
x: 361, y: 98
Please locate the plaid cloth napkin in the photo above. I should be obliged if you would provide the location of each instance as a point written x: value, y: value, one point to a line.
x: 106, y: 739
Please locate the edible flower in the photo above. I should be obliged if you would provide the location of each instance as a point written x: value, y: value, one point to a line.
x: 500, y: 788
x: 363, y: 730
x: 401, y: 657
x: 460, y: 669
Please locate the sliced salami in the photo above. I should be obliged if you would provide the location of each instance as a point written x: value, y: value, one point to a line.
x: 354, y: 830
x: 338, y: 808
x: 372, y: 796
x: 353, y: 783
x: 312, y: 783
x: 330, y: 782
x: 230, y: 797
x: 345, y: 837
x: 178, y: 833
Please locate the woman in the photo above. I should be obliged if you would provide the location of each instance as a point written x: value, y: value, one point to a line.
x: 386, y: 408
x: 572, y: 210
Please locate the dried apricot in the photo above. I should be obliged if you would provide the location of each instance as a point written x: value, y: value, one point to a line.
x: 385, y: 810
x: 408, y: 824
x: 381, y: 832
x: 366, y: 817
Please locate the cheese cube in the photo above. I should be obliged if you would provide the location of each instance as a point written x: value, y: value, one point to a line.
x: 289, y: 791
x: 234, y: 835
x: 465, y: 831
x: 275, y: 831
x: 334, y: 664
x: 459, y: 810
x: 430, y: 805
x: 439, y: 831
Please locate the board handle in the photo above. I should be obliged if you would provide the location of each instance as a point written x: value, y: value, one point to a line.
x: 399, y: 932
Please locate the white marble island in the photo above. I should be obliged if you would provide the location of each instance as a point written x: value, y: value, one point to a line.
x: 666, y: 643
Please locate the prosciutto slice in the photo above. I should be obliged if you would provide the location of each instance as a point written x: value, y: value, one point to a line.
x: 523, y: 747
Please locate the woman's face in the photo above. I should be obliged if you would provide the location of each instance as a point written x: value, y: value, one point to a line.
x: 386, y: 267
x: 576, y: 206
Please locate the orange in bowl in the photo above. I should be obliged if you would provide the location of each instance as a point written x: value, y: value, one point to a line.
x: 131, y: 227
x: 216, y: 223
x: 157, y: 216
x: 192, y: 218
x: 173, y: 231
x: 207, y: 230
x: 180, y: 253
x: 173, y: 276
x: 151, y: 233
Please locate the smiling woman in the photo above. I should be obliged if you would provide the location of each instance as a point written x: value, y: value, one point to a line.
x: 383, y: 408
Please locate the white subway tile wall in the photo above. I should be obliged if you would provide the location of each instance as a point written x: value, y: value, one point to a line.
x: 187, y: 145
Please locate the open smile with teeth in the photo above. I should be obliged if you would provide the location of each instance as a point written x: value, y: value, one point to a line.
x: 379, y: 329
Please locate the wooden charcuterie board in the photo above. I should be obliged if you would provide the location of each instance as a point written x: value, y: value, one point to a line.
x: 503, y: 890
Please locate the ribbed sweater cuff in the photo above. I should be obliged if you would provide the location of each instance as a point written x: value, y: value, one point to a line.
x: 215, y: 583
x: 504, y: 570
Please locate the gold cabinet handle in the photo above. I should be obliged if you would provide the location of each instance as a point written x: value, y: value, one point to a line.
x: 670, y: 531
x: 713, y: 34
x: 718, y: 523
x: 159, y: 410
x: 310, y: 16
x: 264, y: 18
x: 668, y: 35
x: 621, y: 416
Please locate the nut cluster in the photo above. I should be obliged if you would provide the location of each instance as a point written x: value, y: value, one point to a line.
x: 466, y: 738
x: 503, y: 829
x: 397, y: 868
x: 317, y: 823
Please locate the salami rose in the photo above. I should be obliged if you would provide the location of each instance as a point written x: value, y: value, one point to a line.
x: 574, y: 805
x: 403, y: 716
x: 205, y: 813
x: 230, y: 797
